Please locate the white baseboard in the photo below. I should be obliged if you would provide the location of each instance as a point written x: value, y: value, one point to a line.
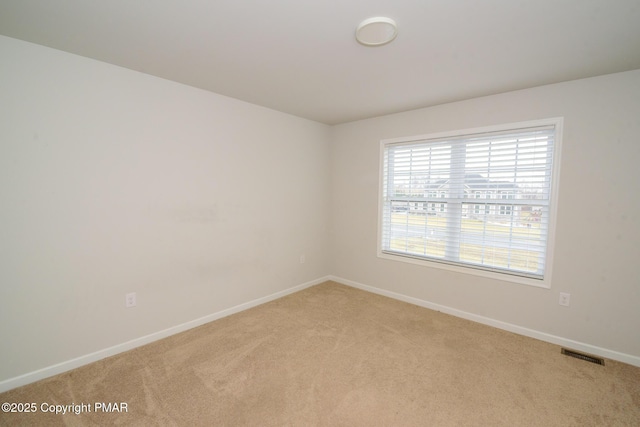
x: 68, y: 365
x: 542, y: 336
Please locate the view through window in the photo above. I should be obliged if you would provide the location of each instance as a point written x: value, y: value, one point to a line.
x: 479, y: 200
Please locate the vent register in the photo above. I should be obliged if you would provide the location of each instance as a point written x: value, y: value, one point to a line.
x: 582, y: 356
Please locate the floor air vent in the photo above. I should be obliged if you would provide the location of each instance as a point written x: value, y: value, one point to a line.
x: 582, y: 356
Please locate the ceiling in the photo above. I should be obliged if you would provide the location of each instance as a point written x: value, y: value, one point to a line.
x: 301, y: 57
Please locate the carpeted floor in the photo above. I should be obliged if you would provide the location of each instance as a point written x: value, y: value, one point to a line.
x: 332, y: 355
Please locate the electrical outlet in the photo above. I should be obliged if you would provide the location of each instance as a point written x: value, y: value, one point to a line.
x: 564, y: 299
x: 303, y: 259
x: 130, y: 300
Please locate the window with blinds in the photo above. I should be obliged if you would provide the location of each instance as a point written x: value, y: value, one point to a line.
x: 480, y: 199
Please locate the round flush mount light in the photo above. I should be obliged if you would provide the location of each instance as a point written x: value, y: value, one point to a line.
x: 376, y: 31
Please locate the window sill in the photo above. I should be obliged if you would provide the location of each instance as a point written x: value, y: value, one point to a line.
x: 505, y: 277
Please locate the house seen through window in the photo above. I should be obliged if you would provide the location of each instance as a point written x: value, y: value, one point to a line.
x: 481, y: 200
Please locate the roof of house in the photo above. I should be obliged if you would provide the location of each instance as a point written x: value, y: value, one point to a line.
x: 476, y: 182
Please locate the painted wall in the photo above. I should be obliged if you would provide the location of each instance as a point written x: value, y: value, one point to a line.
x: 113, y: 181
x: 597, y: 246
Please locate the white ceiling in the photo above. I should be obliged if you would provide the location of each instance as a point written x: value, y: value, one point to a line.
x: 301, y: 57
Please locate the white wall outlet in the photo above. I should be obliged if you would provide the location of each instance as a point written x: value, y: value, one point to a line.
x: 564, y: 299
x: 130, y: 300
x: 303, y: 259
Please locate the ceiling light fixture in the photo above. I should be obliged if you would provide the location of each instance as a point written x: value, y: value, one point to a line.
x: 376, y: 31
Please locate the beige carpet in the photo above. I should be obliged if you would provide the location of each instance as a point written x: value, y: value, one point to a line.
x: 335, y: 356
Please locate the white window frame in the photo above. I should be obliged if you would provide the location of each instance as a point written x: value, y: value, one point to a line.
x: 544, y: 282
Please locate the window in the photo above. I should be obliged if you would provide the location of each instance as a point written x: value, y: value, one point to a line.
x: 493, y: 188
x: 477, y: 208
x: 506, y: 209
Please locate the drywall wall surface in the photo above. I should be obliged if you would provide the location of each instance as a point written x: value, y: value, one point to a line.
x: 113, y: 181
x: 596, y: 243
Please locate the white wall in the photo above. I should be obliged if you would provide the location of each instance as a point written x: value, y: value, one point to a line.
x: 113, y: 181
x: 598, y: 233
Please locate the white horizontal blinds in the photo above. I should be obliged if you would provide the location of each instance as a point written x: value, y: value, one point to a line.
x: 408, y: 168
x: 479, y: 200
